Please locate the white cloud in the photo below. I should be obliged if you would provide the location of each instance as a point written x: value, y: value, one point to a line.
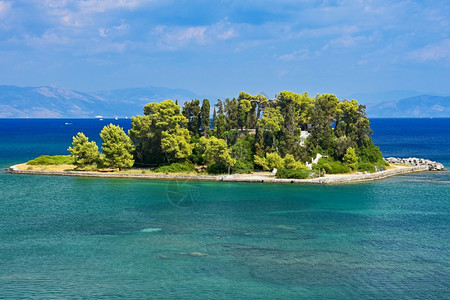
x: 327, y: 31
x: 94, y: 6
x: 300, y: 54
x: 119, y: 29
x: 176, y: 37
x: 227, y: 34
x: 75, y: 13
x: 48, y: 38
x: 5, y: 7
x: 432, y: 52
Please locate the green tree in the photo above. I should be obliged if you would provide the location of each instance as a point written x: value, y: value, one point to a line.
x: 261, y: 162
x: 274, y: 160
x: 231, y: 111
x: 244, y: 108
x: 341, y: 145
x: 214, y: 119
x: 85, y: 152
x: 205, y: 117
x: 175, y: 144
x: 291, y: 163
x: 117, y: 147
x: 242, y: 150
x: 350, y: 158
x: 271, y: 122
x: 216, y: 151
x: 191, y: 110
x: 219, y: 124
x: 323, y: 115
x: 146, y: 131
x: 271, y: 161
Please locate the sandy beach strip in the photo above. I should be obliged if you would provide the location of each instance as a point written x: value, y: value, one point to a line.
x: 262, y: 177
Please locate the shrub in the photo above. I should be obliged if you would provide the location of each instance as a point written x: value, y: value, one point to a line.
x: 365, y: 167
x: 261, y: 162
x: 371, y: 154
x: 217, y: 169
x: 242, y: 167
x: 176, y: 168
x: 48, y: 160
x: 331, y: 166
x: 350, y: 158
x: 274, y: 160
x: 338, y: 168
x: 291, y: 163
x: 297, y: 174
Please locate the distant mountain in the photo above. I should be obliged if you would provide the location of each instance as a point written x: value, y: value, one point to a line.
x: 56, y: 102
x: 423, y: 106
x: 376, y: 97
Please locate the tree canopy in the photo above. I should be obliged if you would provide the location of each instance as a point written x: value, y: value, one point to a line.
x: 117, y: 147
x: 85, y: 152
x: 247, y: 132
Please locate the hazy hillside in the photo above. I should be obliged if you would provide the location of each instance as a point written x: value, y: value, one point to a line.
x: 423, y: 106
x: 55, y: 102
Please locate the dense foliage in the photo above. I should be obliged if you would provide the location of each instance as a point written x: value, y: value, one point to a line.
x: 246, y: 132
x: 177, y: 168
x: 85, y: 152
x: 55, y: 160
x: 117, y: 147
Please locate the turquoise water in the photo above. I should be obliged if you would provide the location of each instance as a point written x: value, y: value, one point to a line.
x: 65, y: 237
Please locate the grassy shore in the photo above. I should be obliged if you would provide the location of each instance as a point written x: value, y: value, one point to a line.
x: 261, y: 177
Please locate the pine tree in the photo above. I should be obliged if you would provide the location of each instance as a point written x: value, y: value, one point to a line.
x: 85, y: 152
x: 117, y: 147
x: 205, y: 117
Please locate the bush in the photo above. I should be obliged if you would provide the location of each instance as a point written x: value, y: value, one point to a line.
x: 242, y: 167
x: 350, y: 158
x: 274, y: 160
x: 366, y: 167
x: 371, y: 154
x: 297, y: 174
x: 217, y: 169
x: 338, y: 168
x: 176, y: 168
x: 331, y: 166
x: 291, y: 163
x: 47, y: 160
x: 261, y: 162
x: 91, y: 167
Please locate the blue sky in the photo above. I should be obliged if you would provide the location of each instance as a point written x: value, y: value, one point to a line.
x: 223, y: 47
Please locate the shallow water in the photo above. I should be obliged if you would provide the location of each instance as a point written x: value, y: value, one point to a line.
x: 68, y: 237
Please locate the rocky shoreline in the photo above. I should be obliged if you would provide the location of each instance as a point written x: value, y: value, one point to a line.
x: 413, y: 165
x: 415, y: 162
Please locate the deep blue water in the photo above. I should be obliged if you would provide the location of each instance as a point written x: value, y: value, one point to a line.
x: 66, y: 237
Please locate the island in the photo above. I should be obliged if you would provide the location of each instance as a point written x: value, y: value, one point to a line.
x: 292, y: 138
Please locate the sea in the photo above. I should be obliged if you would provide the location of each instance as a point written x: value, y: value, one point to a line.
x: 100, y: 238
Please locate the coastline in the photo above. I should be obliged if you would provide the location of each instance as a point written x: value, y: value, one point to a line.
x: 253, y: 178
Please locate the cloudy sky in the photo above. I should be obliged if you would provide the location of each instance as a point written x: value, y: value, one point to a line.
x: 223, y: 47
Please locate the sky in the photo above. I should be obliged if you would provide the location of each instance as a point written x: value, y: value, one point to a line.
x: 224, y: 47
